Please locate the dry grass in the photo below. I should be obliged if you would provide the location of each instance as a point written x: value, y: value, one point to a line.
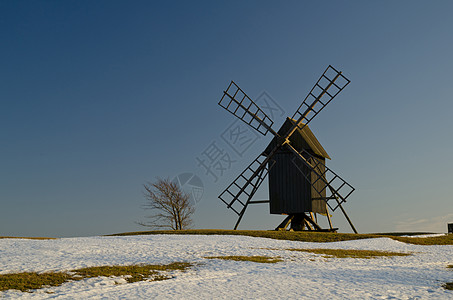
x: 436, y: 240
x: 27, y: 281
x: 279, y: 235
x: 134, y: 273
x: 317, y: 237
x: 448, y: 285
x: 351, y: 253
x: 254, y: 258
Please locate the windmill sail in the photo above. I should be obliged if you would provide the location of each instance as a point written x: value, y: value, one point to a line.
x: 339, y: 188
x: 325, y: 89
x: 239, y: 104
x: 242, y: 189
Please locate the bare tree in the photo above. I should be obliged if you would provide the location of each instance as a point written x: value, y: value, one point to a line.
x: 170, y: 205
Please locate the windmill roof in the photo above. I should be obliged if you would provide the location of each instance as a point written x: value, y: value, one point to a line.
x: 300, y: 139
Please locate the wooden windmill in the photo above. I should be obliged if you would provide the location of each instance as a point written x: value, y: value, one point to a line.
x: 301, y: 186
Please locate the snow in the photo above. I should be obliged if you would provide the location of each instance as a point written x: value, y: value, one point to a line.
x: 300, y: 275
x: 425, y: 235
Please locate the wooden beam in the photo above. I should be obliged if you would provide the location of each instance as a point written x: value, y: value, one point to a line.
x: 315, y: 225
x: 342, y: 210
x: 283, y: 225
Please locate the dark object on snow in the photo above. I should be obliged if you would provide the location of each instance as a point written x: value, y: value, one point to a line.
x: 450, y: 227
x: 300, y: 184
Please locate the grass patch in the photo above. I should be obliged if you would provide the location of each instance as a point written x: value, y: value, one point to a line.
x: 351, y: 253
x: 435, y: 240
x: 27, y: 281
x: 316, y: 237
x: 279, y: 235
x: 254, y: 258
x: 135, y: 272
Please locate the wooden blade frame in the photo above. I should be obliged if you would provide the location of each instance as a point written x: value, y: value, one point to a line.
x: 239, y: 104
x: 335, y: 183
x: 329, y: 85
x: 239, y: 193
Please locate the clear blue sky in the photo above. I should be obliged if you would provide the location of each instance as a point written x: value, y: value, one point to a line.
x: 99, y: 97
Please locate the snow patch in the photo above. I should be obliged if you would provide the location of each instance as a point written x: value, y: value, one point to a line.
x: 300, y: 275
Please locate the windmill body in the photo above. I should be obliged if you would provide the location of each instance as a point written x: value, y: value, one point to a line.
x: 300, y: 184
x: 289, y: 190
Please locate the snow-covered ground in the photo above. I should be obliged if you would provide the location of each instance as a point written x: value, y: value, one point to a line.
x: 425, y: 235
x: 300, y: 276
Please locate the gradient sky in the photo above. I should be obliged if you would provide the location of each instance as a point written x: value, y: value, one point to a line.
x: 99, y: 97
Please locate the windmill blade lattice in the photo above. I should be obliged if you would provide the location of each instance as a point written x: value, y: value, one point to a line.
x: 239, y: 104
x: 325, y: 89
x: 242, y: 189
x: 322, y: 173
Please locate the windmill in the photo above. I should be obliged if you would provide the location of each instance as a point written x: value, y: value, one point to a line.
x: 301, y: 186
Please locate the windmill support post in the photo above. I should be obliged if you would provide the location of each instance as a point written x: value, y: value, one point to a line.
x: 299, y: 221
x: 329, y: 220
x: 285, y: 223
x: 343, y: 211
